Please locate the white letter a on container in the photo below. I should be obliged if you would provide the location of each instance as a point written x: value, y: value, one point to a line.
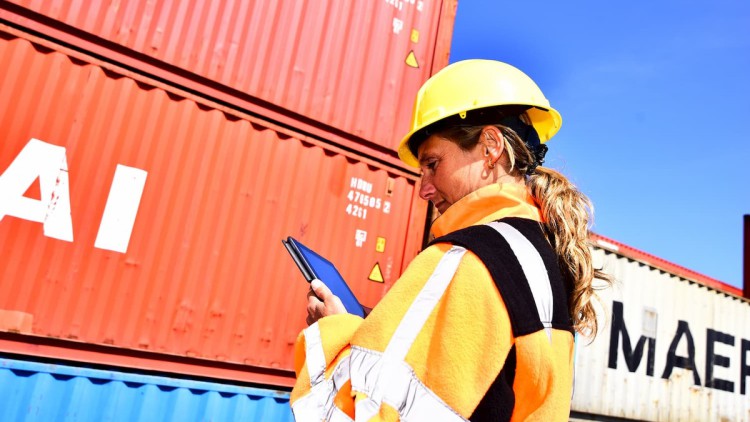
x: 47, y: 162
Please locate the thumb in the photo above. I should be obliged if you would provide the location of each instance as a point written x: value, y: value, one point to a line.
x: 321, y: 290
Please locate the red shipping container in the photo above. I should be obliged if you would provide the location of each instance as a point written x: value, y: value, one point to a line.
x: 139, y: 217
x: 351, y: 68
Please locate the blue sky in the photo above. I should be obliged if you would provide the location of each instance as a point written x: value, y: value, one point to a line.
x: 655, y: 99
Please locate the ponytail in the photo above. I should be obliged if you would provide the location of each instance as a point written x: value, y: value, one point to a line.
x: 566, y: 212
x: 567, y: 215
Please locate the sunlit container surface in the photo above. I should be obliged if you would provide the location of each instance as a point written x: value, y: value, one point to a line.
x: 33, y: 391
x: 669, y: 349
x: 353, y: 65
x: 140, y: 217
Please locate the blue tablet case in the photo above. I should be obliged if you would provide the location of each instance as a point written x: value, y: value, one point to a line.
x: 315, y: 266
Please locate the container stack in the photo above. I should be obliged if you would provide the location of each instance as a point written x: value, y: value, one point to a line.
x: 155, y: 154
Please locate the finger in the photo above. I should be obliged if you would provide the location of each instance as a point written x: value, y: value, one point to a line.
x: 310, y: 319
x: 313, y: 301
x: 312, y: 306
x: 321, y: 290
x: 311, y: 293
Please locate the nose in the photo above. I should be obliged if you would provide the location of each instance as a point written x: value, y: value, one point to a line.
x: 427, y: 190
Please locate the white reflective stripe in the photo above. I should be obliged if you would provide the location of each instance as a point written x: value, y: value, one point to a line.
x: 341, y: 373
x: 420, y: 401
x: 314, y: 354
x: 366, y: 366
x: 312, y: 407
x: 387, y: 378
x: 534, y: 269
x: 413, y: 321
x: 338, y: 415
x: 339, y: 377
x: 405, y: 392
x: 318, y: 404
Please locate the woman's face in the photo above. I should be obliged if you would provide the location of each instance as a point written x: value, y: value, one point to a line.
x: 450, y: 173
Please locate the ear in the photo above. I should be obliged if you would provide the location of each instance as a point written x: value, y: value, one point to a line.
x: 492, y: 142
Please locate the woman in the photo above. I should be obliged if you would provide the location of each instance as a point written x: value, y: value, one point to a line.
x: 481, y: 324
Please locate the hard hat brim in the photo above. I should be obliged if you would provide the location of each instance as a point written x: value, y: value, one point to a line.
x: 545, y: 120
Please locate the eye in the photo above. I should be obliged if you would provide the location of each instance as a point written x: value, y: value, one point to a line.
x: 428, y: 164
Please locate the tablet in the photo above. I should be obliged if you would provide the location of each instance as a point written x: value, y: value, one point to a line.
x: 315, y: 266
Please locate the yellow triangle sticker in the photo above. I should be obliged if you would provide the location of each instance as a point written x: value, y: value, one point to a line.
x: 376, y: 274
x: 411, y: 60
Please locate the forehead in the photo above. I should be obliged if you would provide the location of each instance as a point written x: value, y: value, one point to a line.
x: 435, y: 145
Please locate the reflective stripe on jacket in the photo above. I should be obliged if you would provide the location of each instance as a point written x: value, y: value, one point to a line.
x: 442, y: 345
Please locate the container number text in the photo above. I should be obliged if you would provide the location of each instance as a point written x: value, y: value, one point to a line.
x: 360, y: 199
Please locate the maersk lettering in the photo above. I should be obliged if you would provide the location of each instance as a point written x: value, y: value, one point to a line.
x: 718, y: 353
x: 716, y: 359
x: 745, y: 366
x: 632, y: 358
x: 683, y: 330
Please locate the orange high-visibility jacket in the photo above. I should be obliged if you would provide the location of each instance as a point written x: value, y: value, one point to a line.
x: 443, y: 344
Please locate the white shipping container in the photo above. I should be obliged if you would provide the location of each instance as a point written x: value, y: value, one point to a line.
x: 669, y: 348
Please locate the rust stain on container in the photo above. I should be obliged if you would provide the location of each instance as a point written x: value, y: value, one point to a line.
x: 342, y: 63
x: 204, y: 273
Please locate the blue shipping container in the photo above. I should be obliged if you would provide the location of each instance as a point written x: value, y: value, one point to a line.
x: 33, y: 391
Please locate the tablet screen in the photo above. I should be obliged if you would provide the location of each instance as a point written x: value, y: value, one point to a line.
x: 326, y: 272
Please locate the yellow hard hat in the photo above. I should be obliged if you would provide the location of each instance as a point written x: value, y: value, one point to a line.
x: 477, y: 84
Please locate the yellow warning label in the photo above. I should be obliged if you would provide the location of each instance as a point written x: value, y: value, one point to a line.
x: 380, y: 244
x: 411, y: 60
x: 375, y: 274
x: 414, y: 36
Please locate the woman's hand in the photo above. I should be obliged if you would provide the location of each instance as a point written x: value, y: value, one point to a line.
x: 321, y: 302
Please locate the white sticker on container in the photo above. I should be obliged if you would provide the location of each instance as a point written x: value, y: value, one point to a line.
x: 360, y: 237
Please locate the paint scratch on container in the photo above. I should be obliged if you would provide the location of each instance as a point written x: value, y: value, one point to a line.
x: 16, y: 321
x: 60, y: 187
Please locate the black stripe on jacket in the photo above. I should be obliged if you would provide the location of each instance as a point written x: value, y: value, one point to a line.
x: 506, y: 271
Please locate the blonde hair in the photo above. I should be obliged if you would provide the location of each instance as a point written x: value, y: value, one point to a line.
x: 567, y: 214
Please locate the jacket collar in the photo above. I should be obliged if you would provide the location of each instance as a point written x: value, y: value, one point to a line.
x: 487, y: 204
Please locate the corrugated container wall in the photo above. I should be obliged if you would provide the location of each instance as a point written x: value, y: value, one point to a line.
x: 353, y: 66
x: 139, y: 216
x: 669, y: 349
x: 34, y: 391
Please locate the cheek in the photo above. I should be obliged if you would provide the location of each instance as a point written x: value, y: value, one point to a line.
x: 462, y: 182
x: 475, y: 176
x: 450, y: 186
